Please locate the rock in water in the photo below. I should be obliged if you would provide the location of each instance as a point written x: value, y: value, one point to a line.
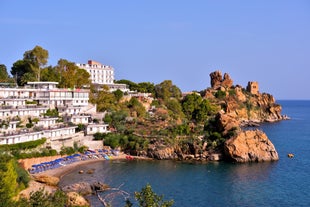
x: 82, y: 188
x: 250, y: 146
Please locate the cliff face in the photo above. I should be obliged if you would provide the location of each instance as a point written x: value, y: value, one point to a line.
x: 250, y: 146
x: 244, y: 104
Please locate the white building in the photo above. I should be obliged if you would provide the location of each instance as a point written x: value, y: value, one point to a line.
x: 59, y: 133
x: 18, y: 137
x: 77, y: 119
x: 17, y: 105
x: 99, y: 74
x: 47, y: 122
x: 36, y: 97
x: 95, y: 128
x: 46, y: 93
x: 102, y: 75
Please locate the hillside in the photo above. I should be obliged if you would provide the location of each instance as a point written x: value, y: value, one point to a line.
x: 199, y: 126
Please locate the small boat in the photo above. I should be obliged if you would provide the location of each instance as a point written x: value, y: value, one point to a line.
x: 128, y: 157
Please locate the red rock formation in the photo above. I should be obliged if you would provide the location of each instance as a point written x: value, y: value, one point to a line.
x: 250, y: 146
x: 227, y: 81
x: 225, y: 123
x: 239, y: 94
x: 218, y: 81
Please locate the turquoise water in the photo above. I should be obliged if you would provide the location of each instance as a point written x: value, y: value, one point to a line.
x: 282, y: 183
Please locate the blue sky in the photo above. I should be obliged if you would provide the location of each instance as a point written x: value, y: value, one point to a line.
x: 183, y: 41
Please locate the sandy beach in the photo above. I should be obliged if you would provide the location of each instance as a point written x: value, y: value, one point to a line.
x: 59, y: 172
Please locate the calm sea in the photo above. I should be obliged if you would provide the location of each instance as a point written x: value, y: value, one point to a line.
x: 282, y: 183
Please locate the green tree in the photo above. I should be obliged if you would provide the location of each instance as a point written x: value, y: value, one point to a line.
x: 50, y: 74
x: 136, y: 107
x: 71, y: 75
x: 8, y: 180
x: 82, y: 78
x: 117, y: 120
x: 132, y: 86
x: 37, y: 57
x: 196, y: 108
x: 4, y: 76
x: 146, y: 87
x: 105, y: 101
x: 147, y: 198
x: 191, y: 105
x: 118, y: 94
x: 27, y: 77
x: 175, y: 108
x: 19, y: 68
x: 166, y: 90
x: 206, y: 109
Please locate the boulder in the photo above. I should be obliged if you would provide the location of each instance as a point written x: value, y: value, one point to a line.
x: 250, y: 146
x: 48, y: 180
x: 74, y: 199
x: 82, y: 188
x: 215, y: 157
x: 161, y: 152
x: 98, y: 186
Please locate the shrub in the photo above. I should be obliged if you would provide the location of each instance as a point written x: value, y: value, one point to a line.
x: 220, y: 94
x: 82, y: 149
x: 67, y: 151
x: 43, y: 198
x: 232, y: 92
x: 80, y: 128
x: 146, y: 197
x: 99, y: 136
x: 52, y: 113
x: 29, y: 125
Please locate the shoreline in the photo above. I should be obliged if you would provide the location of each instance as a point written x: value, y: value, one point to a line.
x: 64, y: 170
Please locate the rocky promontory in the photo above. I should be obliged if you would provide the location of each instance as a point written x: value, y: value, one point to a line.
x: 225, y: 135
x: 250, y: 146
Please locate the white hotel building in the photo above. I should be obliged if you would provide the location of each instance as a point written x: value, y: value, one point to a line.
x: 102, y: 75
x: 17, y: 105
x: 99, y: 74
